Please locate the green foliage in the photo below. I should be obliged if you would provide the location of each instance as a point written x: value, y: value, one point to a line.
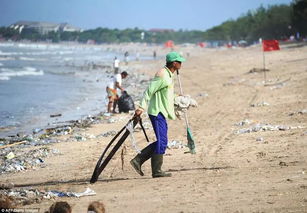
x: 299, y: 16
x: 6, y: 32
x: 270, y: 23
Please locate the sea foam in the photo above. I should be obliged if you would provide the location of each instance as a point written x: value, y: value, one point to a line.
x: 6, y: 73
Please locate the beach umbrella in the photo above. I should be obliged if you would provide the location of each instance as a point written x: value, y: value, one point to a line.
x: 190, y: 144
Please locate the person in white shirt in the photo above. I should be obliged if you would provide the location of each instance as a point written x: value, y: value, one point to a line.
x: 112, y: 87
x: 116, y: 65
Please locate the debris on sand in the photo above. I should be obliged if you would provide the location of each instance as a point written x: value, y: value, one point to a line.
x: 243, y: 123
x: 27, y: 196
x: 182, y: 104
x: 175, y: 144
x: 261, y: 104
x: 301, y: 112
x: 258, y: 70
x: 266, y: 127
x: 19, y: 159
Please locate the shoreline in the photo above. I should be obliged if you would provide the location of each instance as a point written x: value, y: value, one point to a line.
x: 88, y: 75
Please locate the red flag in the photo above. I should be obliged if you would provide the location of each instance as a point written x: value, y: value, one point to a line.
x: 169, y: 44
x: 201, y: 44
x: 270, y: 45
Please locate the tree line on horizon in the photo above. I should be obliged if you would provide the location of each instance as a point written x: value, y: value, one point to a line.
x: 274, y: 22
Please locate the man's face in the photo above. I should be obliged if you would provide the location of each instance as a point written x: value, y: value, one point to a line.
x: 177, y: 65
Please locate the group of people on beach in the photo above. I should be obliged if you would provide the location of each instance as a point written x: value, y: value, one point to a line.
x: 6, y: 205
x: 158, y: 101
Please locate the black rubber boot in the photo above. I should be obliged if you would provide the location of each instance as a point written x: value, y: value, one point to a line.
x: 139, y: 159
x: 156, y: 164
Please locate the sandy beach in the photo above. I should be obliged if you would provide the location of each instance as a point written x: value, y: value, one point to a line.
x: 250, y: 135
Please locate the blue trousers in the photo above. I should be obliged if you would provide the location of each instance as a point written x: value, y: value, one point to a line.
x: 159, y: 125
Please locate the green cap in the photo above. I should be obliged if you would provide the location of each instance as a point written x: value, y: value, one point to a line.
x: 174, y: 56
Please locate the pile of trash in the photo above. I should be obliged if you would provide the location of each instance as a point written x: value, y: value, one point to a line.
x: 27, y: 196
x: 182, y: 104
x: 20, y: 159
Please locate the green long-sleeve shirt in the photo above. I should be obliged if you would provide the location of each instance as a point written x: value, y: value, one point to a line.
x: 160, y: 95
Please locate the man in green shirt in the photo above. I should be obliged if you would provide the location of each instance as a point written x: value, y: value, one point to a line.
x: 158, y: 100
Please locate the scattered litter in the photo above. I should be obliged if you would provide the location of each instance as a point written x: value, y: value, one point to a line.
x: 281, y: 163
x: 260, y: 104
x: 37, y: 130
x: 83, y: 137
x: 107, y: 114
x: 6, y: 185
x: 243, y: 123
x: 203, y: 94
x: 10, y: 156
x: 24, y: 160
x: 266, y: 127
x: 62, y: 130
x: 259, y: 139
x: 55, y: 193
x: 304, y: 111
x: 257, y: 70
x: 278, y: 86
x: 111, y: 120
x: 175, y: 145
x: 87, y: 192
x: 234, y: 81
x: 24, y: 196
x: 55, y: 115
x: 107, y: 134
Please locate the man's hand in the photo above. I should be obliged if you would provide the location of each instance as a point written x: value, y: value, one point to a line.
x: 138, y: 112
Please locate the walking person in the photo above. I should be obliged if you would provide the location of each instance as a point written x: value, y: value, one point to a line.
x: 126, y: 57
x: 116, y: 65
x: 158, y: 100
x: 113, y: 85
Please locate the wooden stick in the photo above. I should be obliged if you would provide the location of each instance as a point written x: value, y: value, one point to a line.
x: 13, y: 144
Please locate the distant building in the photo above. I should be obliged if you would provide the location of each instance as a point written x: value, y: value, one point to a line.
x: 44, y: 27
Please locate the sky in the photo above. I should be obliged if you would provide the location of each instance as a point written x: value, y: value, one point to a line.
x: 122, y: 14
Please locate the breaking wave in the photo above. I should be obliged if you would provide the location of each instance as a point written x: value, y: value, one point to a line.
x: 7, y: 74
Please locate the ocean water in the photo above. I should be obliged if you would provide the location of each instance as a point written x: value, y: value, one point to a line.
x: 39, y: 80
